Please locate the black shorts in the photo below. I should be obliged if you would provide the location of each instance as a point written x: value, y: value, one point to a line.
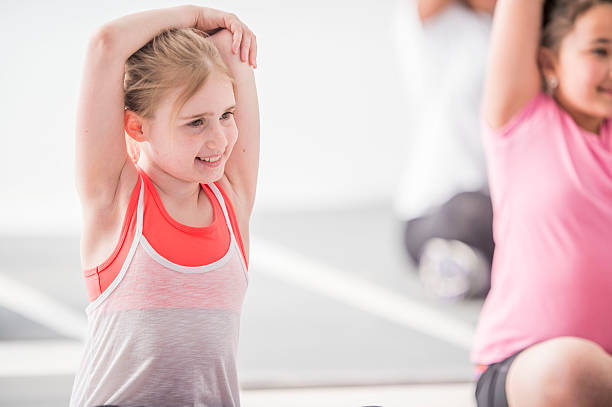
x: 491, y: 385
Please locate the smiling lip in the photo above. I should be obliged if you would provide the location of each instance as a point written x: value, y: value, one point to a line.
x: 606, y: 90
x: 210, y: 164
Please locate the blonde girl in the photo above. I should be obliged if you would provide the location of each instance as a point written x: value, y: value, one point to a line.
x: 545, y: 333
x: 166, y: 236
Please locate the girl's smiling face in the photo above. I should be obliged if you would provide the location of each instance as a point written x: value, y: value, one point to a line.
x: 583, y: 68
x: 195, y: 143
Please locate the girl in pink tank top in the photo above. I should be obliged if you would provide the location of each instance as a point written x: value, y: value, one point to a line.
x: 544, y: 336
x: 165, y: 240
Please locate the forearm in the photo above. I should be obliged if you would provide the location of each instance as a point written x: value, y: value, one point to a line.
x: 127, y: 34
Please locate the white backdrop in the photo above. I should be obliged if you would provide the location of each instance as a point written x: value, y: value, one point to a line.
x: 332, y: 121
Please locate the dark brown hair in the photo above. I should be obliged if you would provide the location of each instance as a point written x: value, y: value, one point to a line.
x: 559, y: 17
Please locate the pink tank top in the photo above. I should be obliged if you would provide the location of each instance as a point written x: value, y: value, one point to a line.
x: 551, y: 187
x: 165, y: 330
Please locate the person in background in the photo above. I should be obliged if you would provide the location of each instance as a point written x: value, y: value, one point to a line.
x: 544, y: 336
x: 442, y: 196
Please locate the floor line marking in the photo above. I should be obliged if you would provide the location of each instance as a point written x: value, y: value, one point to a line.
x: 296, y: 269
x: 41, y: 308
x: 39, y: 358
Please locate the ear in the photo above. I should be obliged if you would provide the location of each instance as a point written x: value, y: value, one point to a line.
x: 133, y: 126
x: 547, y: 60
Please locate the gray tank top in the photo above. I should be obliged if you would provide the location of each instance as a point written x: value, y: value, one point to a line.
x: 164, y: 334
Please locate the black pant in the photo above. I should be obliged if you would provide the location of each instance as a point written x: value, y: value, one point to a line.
x: 467, y: 217
x: 491, y: 386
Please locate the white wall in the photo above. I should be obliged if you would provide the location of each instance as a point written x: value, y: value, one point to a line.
x: 331, y: 105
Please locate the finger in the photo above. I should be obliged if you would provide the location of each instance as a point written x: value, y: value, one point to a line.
x: 236, y: 41
x: 253, y: 55
x: 232, y: 24
x: 245, y: 47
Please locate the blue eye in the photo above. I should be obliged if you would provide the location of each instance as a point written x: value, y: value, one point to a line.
x: 227, y: 115
x: 196, y: 123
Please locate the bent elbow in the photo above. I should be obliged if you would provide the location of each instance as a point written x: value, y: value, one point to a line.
x: 103, y: 40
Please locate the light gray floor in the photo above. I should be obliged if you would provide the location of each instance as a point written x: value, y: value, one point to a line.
x: 290, y: 336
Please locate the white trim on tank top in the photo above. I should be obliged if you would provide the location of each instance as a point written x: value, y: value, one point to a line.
x: 234, y: 242
x: 139, y: 238
x: 139, y: 221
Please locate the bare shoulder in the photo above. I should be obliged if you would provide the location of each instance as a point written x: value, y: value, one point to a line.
x: 102, y: 226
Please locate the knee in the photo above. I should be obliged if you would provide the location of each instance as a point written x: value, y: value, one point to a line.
x: 559, y: 372
x: 564, y: 379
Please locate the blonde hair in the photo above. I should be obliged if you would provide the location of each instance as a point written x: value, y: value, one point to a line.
x: 177, y: 58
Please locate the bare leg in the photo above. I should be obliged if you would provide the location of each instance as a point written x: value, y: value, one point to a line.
x: 561, y: 372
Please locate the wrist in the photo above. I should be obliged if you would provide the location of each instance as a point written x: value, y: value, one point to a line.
x: 191, y: 13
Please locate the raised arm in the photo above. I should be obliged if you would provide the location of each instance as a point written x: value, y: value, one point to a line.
x: 242, y: 167
x: 512, y: 76
x: 429, y: 8
x: 102, y: 164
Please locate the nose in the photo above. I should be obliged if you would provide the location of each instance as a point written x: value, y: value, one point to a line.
x: 216, y: 139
